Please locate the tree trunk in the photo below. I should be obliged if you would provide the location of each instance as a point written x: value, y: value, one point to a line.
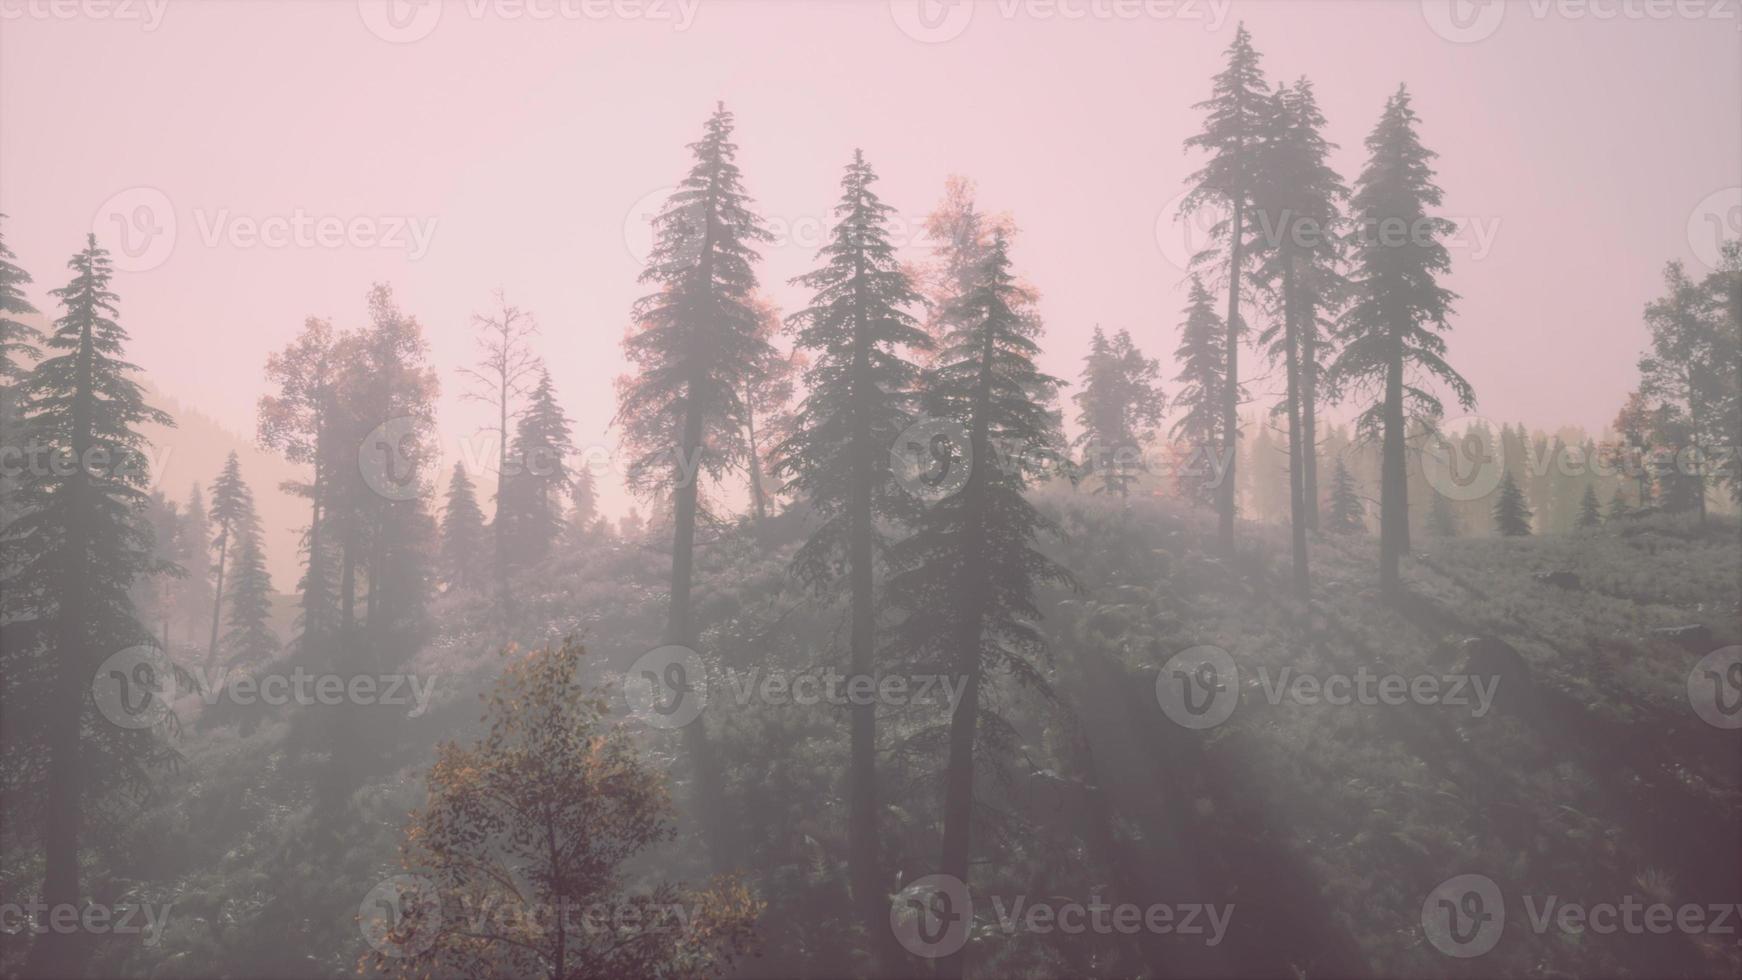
x: 1309, y: 424
x: 59, y: 953
x: 1231, y: 393
x: 758, y: 499
x: 1302, y: 577
x: 218, y: 598
x: 959, y: 777
x: 1394, y: 474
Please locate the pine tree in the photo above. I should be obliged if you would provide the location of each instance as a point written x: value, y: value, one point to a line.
x: 1511, y: 513
x: 861, y: 387
x: 232, y: 502
x: 967, y: 576
x: 506, y: 366
x: 1393, y: 328
x: 71, y: 557
x: 1348, y: 515
x: 249, y: 639
x: 1297, y: 250
x: 1119, y: 406
x: 1590, y: 511
x: 1618, y: 508
x: 19, y: 344
x: 1203, y: 360
x: 1441, y: 522
x: 462, y: 532
x: 695, y: 342
x: 531, y: 505
x: 1233, y: 132
x: 195, y: 593
x: 768, y: 391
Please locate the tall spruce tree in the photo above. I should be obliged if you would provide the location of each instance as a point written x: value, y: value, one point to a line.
x: 71, y: 556
x: 1441, y: 522
x: 299, y: 421
x: 1234, y: 124
x: 249, y: 640
x: 1119, y: 405
x: 682, y: 414
x: 1348, y: 515
x: 860, y: 327
x: 462, y: 533
x: 530, y: 508
x: 1202, y: 355
x: 1590, y: 511
x: 19, y: 342
x: 231, y: 502
x: 768, y: 392
x: 1511, y: 513
x: 1392, y: 329
x: 967, y: 576
x: 1297, y: 250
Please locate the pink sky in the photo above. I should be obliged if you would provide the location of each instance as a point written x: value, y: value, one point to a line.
x: 1584, y: 147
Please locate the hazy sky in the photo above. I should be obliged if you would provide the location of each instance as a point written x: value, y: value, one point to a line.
x: 519, y: 151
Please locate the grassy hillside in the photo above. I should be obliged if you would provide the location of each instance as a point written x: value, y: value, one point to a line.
x: 1324, y: 826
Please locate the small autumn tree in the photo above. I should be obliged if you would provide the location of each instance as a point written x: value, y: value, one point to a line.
x: 515, y: 863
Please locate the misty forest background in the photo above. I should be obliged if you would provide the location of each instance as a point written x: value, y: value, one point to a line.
x: 1056, y: 578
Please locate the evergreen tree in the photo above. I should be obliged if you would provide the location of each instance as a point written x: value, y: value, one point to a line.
x: 462, y: 532
x: 232, y: 502
x: 250, y: 639
x: 506, y: 366
x: 1511, y: 513
x: 696, y: 340
x: 966, y: 578
x: 1590, y: 511
x: 1441, y: 522
x: 19, y: 342
x: 1203, y: 359
x: 1295, y: 208
x: 70, y: 559
x: 768, y: 391
x: 1393, y: 327
x: 1618, y: 508
x: 195, y: 593
x: 1348, y: 515
x: 1119, y: 406
x: 583, y: 501
x: 1234, y: 124
x: 859, y: 327
x: 531, y: 506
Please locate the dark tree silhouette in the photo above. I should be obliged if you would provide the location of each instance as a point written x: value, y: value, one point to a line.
x: 1202, y: 356
x: 1393, y: 327
x: 1119, y: 405
x: 861, y: 391
x: 462, y: 532
x: 1348, y: 515
x: 1511, y: 513
x: 530, y: 506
